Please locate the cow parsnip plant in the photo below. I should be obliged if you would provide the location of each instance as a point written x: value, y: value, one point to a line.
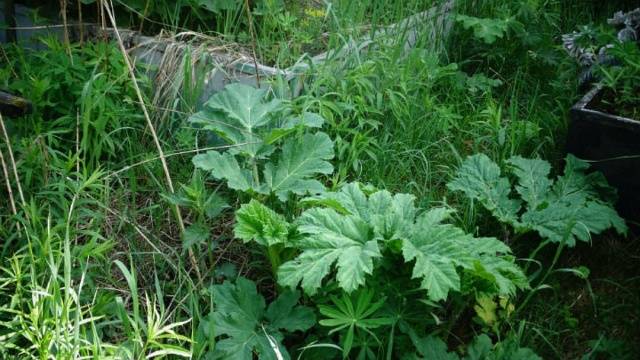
x: 349, y: 231
x: 264, y: 157
x: 566, y: 209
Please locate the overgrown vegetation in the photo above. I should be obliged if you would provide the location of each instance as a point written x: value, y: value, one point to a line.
x: 412, y: 202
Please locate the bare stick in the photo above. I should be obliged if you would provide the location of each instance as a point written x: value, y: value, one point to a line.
x: 253, y: 42
x: 77, y: 142
x: 8, y: 183
x: 144, y: 15
x: 63, y: 13
x: 80, y: 24
x: 167, y: 174
x: 13, y: 161
x: 142, y: 162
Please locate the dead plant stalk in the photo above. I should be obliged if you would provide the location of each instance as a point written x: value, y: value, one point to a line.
x: 108, y: 7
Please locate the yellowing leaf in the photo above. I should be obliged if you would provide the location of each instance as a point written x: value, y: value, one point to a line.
x: 486, y: 310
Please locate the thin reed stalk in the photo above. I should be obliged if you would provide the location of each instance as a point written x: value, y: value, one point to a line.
x: 109, y: 10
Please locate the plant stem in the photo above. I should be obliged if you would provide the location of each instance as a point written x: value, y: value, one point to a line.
x: 256, y: 175
x: 273, y: 253
x: 67, y: 42
x: 535, y: 252
x: 80, y: 24
x: 556, y: 256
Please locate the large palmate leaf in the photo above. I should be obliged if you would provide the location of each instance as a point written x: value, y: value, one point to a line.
x: 534, y: 182
x: 479, y: 178
x: 243, y: 326
x: 482, y: 348
x: 352, y: 226
x: 440, y: 249
x: 329, y: 238
x: 269, y: 154
x: 257, y: 222
x: 390, y: 216
x: 300, y: 160
x: 430, y: 348
x: 569, y: 208
x: 240, y: 115
x: 224, y: 166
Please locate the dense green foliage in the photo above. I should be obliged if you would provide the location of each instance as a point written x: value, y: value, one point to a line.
x: 563, y: 210
x: 412, y: 202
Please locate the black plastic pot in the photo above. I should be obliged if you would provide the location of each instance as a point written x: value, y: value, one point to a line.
x: 613, y: 143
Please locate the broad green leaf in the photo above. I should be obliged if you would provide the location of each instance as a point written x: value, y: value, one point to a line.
x: 437, y: 251
x: 440, y: 249
x: 225, y: 166
x: 349, y: 200
x: 300, y: 160
x: 239, y: 114
x: 501, y: 271
x: 214, y: 205
x: 479, y: 178
x: 348, y: 230
x: 306, y: 119
x: 245, y: 104
x: 256, y: 222
x: 568, y: 209
x: 574, y: 210
x: 327, y: 238
x: 480, y: 348
x: 242, y: 327
x: 284, y: 314
x: 533, y: 179
x: 564, y: 221
x: 486, y: 29
x: 431, y: 348
x: 391, y: 216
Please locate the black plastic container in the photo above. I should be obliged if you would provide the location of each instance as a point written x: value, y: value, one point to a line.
x: 613, y: 142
